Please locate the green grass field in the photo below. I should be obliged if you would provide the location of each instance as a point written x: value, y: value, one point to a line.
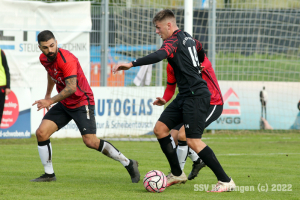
x: 252, y: 159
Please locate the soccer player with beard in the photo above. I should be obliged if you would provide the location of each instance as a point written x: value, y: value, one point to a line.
x: 75, y: 100
x: 191, y: 105
x: 214, y: 112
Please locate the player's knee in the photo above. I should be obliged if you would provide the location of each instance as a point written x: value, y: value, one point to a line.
x: 160, y: 133
x: 88, y: 143
x: 41, y: 134
x: 157, y: 131
x: 91, y: 143
x: 181, y: 136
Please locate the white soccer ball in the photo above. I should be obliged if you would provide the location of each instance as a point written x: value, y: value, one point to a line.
x: 155, y: 181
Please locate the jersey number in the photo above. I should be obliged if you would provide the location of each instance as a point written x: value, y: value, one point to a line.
x: 194, y: 56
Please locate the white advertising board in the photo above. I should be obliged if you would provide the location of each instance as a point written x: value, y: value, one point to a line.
x: 16, y: 115
x: 118, y: 111
x: 242, y: 108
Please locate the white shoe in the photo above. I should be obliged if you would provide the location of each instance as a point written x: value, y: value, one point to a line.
x: 224, y: 186
x: 171, y: 179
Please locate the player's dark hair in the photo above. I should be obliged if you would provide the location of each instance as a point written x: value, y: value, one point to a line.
x: 44, y: 36
x: 163, y: 14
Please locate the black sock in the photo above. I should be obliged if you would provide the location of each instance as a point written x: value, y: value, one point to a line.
x: 197, y: 161
x: 209, y: 158
x: 182, y: 143
x: 168, y: 146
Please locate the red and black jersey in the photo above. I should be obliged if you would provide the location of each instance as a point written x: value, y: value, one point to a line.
x: 65, y: 66
x: 182, y: 54
x: 208, y: 75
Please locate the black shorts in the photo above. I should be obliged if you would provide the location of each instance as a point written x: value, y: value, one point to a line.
x: 83, y: 116
x: 191, y: 111
x: 214, y: 112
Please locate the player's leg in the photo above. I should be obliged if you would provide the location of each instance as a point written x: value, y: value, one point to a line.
x: 55, y: 119
x: 198, y: 164
x: 170, y: 117
x: 194, y: 134
x: 262, y: 110
x: 214, y: 112
x: 85, y: 120
x: 265, y: 106
x: 182, y: 148
x: 174, y: 133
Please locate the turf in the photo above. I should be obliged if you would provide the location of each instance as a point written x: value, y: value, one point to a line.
x: 252, y: 159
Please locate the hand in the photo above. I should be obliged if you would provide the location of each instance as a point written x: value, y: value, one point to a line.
x: 159, y: 101
x: 43, y: 103
x: 122, y: 66
x: 7, y: 91
x: 201, y: 67
x: 48, y: 97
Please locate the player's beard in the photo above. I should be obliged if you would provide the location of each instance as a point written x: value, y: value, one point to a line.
x: 52, y: 55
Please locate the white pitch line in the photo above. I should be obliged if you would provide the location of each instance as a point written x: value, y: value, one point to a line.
x: 256, y: 154
x: 204, y: 138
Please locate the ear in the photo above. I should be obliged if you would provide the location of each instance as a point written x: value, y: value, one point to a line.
x: 169, y: 24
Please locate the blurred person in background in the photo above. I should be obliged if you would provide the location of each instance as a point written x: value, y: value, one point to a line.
x: 4, y: 81
x: 263, y: 95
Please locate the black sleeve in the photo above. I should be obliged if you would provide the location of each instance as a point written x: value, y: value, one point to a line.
x: 201, y: 55
x: 4, y: 63
x: 151, y: 58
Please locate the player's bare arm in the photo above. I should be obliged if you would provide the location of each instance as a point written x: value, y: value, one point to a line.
x: 71, y: 86
x: 122, y: 66
x: 159, y: 101
x: 50, y: 86
x: 66, y: 92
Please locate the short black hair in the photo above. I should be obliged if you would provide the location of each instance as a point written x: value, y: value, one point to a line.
x: 44, y: 36
x: 163, y: 14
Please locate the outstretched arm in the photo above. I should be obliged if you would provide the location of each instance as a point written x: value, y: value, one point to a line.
x: 149, y: 59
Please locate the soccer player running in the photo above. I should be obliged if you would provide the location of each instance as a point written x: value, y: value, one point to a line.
x: 214, y: 112
x: 75, y: 101
x: 191, y: 104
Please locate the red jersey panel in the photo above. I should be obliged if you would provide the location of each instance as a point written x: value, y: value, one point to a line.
x: 170, y: 75
x: 208, y: 75
x: 65, y: 66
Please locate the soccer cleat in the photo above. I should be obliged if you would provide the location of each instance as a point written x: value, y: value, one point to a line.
x: 196, y: 168
x: 224, y: 186
x: 171, y: 179
x: 133, y: 171
x: 45, y: 178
